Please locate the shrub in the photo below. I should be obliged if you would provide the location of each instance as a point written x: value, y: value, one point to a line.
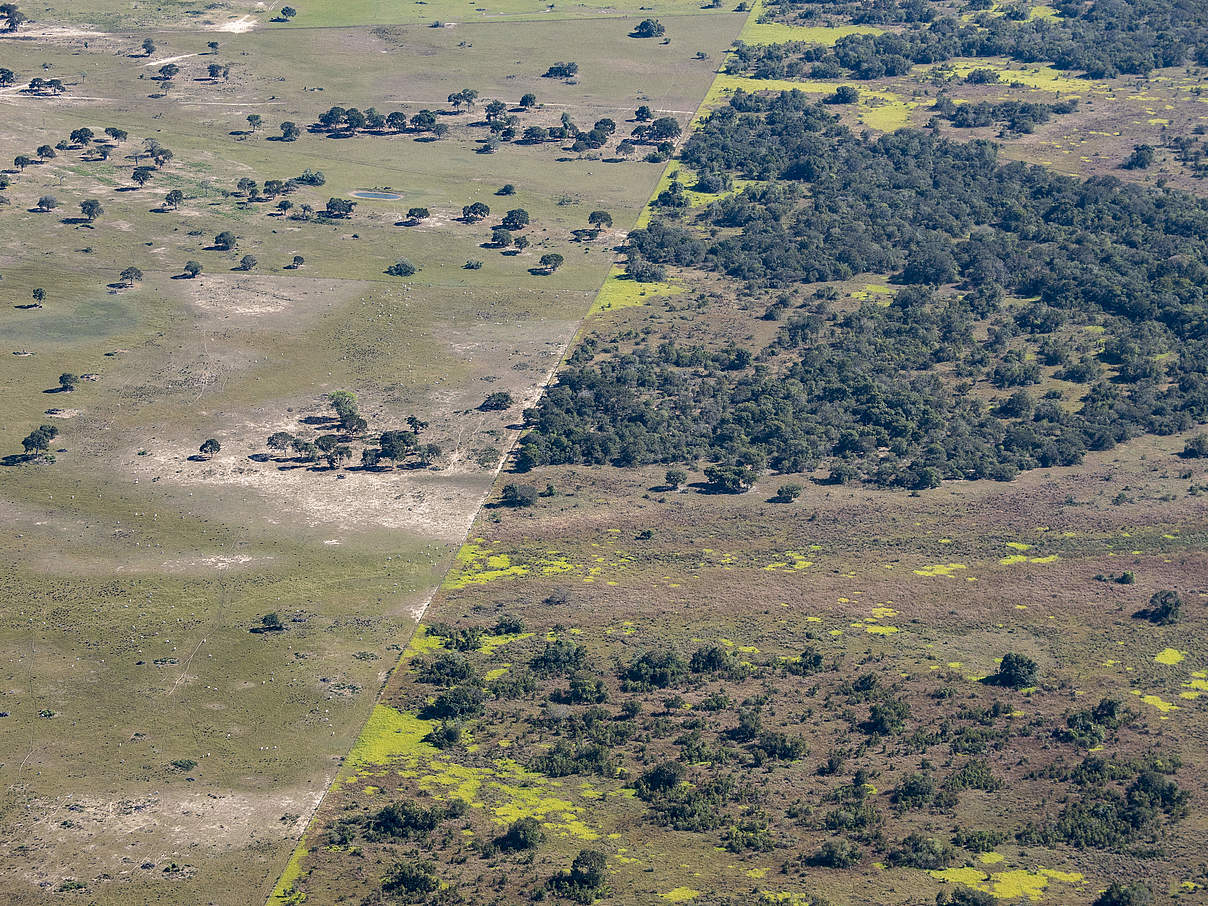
x: 920, y: 851
x: 411, y: 877
x: 522, y: 834
x: 1016, y: 671
x: 653, y: 670
x: 519, y: 495
x: 497, y: 401
x: 402, y: 268
x: 1118, y: 894
x: 456, y: 703
x: 837, y: 853
x: 1163, y: 609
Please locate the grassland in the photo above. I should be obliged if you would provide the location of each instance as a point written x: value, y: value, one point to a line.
x: 156, y: 750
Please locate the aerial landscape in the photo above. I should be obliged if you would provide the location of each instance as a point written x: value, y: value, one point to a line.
x: 512, y: 451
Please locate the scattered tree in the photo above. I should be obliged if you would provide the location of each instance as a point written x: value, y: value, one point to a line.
x: 209, y: 448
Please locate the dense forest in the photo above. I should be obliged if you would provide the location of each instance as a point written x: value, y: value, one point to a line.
x: 1007, y: 275
x: 1102, y: 39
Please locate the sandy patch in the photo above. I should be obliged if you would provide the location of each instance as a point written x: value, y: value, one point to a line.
x: 238, y: 26
x: 62, y: 413
x: 85, y: 836
x: 206, y: 564
x: 229, y: 296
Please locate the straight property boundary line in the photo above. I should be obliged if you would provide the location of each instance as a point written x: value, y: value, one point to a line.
x: 289, y: 872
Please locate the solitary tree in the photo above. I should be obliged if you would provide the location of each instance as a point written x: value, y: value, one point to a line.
x: 38, y: 295
x: 130, y: 276
x: 254, y: 120
x: 288, y: 12
x: 528, y: 100
x: 47, y: 203
x: 224, y: 241
x: 650, y: 28
x: 297, y: 262
x: 290, y: 131
x: 401, y: 268
x: 209, y: 448
x: 174, y: 198
x: 148, y: 46
x: 142, y: 175
x: 81, y: 136
x: 551, y: 262
x: 68, y: 381
x: 21, y: 161
x: 192, y: 269
x: 91, y: 209
x: 46, y: 152
x: 643, y: 114
x: 599, y: 220
x: 247, y: 262
x: 1015, y: 671
x: 417, y: 214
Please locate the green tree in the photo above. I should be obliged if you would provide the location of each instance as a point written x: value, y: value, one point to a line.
x: 551, y: 261
x: 91, y: 209
x: 401, y: 268
x: 225, y: 241
x: 46, y: 203
x: 515, y: 219
x: 599, y: 220
x: 650, y: 28
x: 192, y: 269
x: 148, y: 46
x: 38, y: 440
x: 418, y: 214
x: 254, y: 120
x: 174, y: 198
x: 473, y: 213
x: 209, y: 447
x: 247, y: 262
x: 1015, y: 671
x: 397, y: 445
x: 290, y: 131
x: 130, y: 276
x: 675, y: 477
x: 68, y: 381
x: 142, y: 175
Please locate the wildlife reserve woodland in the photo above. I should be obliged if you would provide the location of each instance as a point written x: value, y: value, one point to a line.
x: 621, y: 452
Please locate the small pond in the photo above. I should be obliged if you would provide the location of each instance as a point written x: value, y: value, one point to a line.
x: 384, y: 196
